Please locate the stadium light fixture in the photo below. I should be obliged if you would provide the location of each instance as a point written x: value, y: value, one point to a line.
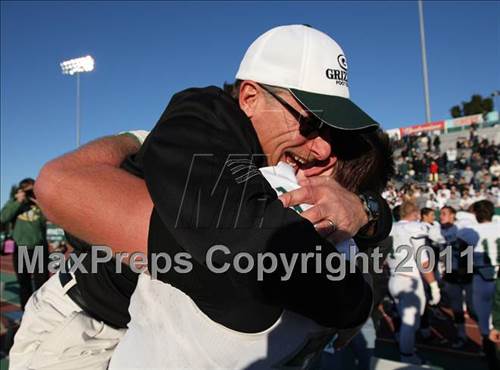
x: 77, y: 66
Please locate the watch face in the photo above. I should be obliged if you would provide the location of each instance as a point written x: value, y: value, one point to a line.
x: 373, y: 206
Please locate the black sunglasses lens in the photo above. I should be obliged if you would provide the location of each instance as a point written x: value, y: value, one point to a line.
x: 308, y: 126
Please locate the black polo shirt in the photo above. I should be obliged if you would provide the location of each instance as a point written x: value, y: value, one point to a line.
x: 201, y: 167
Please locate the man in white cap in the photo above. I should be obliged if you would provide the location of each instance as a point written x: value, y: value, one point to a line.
x: 200, y: 167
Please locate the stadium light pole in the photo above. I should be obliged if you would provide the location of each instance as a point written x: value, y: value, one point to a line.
x: 493, y: 95
x: 424, y: 61
x: 77, y: 66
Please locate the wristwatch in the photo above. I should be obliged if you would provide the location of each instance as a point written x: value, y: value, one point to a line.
x: 371, y: 206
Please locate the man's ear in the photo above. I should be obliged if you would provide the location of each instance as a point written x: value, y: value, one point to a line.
x: 249, y: 97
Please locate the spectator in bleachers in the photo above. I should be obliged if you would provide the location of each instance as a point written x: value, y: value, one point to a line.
x: 466, y: 200
x: 444, y: 191
x: 441, y: 199
x: 411, y: 171
x: 421, y: 198
x: 454, y: 200
x: 443, y: 161
x: 462, y: 186
x: 452, y: 182
x: 425, y: 142
x: 482, y: 177
x: 495, y: 169
x: 403, y: 168
x: 473, y: 137
x: 420, y: 167
x: 468, y: 175
x: 492, y: 152
x: 462, y: 162
x: 437, y: 143
x: 451, y: 155
x: 494, y: 189
x: 484, y: 149
x: 432, y: 202
x: 476, y: 162
x: 434, y: 170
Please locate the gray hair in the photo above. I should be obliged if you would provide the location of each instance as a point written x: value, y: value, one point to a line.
x: 233, y: 89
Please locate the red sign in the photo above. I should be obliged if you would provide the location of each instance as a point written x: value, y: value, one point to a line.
x: 430, y: 126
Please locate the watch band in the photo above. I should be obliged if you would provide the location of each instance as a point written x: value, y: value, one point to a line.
x: 370, y: 206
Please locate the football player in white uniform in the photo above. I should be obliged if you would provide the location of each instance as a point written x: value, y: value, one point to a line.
x: 410, y: 256
x: 486, y: 259
x: 428, y: 220
x: 435, y: 240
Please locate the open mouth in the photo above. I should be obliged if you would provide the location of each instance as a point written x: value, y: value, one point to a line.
x: 297, y: 162
x: 309, y: 167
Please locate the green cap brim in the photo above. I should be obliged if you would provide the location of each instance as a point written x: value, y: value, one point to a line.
x: 335, y: 111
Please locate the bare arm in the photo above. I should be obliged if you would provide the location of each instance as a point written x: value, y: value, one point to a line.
x: 419, y: 241
x: 433, y: 284
x: 86, y: 193
x: 428, y: 276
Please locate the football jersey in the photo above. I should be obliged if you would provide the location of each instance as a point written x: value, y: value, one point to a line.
x: 408, y: 239
x: 168, y: 331
x: 486, y: 251
x: 282, y: 179
x: 434, y: 234
x: 464, y: 219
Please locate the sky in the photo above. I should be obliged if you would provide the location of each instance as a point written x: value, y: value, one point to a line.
x: 147, y: 51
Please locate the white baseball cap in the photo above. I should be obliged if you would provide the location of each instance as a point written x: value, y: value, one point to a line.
x: 312, y: 66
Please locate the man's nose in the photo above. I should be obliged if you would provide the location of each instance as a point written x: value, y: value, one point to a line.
x: 320, y: 148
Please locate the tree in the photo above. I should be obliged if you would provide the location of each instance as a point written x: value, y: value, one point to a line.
x: 456, y: 111
x: 477, y: 104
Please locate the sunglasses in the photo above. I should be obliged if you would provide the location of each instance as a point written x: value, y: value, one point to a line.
x: 308, y: 124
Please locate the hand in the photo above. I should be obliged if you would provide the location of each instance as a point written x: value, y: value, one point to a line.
x: 20, y: 196
x: 34, y: 201
x: 495, y: 336
x: 337, y: 214
x: 435, y: 293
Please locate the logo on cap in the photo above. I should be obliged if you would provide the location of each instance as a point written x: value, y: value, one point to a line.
x: 338, y: 75
x: 342, y: 62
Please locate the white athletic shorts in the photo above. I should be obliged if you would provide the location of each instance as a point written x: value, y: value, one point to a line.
x: 56, y: 334
x: 408, y: 292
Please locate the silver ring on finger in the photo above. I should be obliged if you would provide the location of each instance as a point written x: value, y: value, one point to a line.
x: 332, y: 225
